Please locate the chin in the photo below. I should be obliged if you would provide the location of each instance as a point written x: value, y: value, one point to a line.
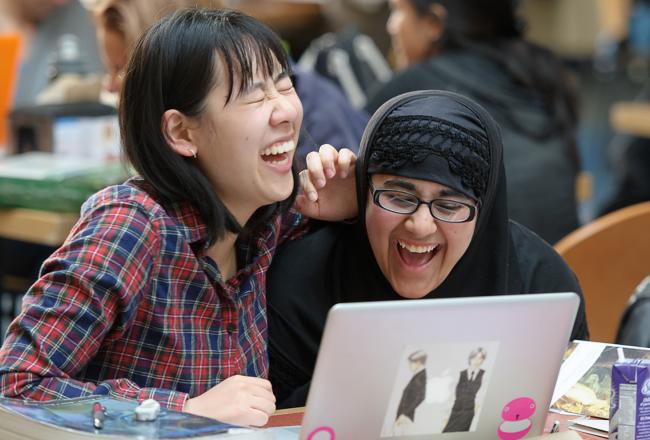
x: 280, y: 193
x: 411, y: 292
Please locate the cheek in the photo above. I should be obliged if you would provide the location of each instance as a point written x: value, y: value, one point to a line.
x: 417, y: 47
x: 459, y: 238
x: 380, y: 224
x: 231, y: 136
x: 299, y: 109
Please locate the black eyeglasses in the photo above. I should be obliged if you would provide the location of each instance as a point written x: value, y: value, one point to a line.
x: 402, y: 202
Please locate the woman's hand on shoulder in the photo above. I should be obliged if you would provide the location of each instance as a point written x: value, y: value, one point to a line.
x: 240, y: 400
x: 328, y: 185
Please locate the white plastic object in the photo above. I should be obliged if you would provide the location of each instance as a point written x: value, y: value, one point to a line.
x: 147, y: 411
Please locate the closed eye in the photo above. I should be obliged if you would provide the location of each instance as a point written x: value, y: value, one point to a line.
x: 284, y: 85
x: 255, y: 98
x: 448, y: 205
x: 399, y: 198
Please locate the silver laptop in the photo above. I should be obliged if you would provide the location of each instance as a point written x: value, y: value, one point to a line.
x: 465, y: 368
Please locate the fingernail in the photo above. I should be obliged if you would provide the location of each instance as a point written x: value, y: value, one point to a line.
x: 330, y: 173
x: 320, y: 183
x: 312, y: 196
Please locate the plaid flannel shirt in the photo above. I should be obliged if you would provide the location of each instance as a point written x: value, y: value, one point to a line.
x: 129, y: 306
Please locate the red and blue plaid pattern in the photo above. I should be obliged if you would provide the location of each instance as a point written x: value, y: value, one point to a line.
x: 130, y: 306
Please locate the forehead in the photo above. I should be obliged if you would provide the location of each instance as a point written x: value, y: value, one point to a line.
x: 407, y: 183
x: 240, y: 71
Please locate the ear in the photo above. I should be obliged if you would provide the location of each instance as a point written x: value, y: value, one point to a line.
x: 175, y: 127
x: 437, y: 21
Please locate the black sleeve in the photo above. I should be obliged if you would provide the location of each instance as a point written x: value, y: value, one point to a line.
x: 290, y: 385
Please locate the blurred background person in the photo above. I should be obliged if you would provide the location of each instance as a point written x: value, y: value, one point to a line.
x: 367, y: 16
x: 329, y: 117
x: 48, y: 27
x: 629, y: 152
x: 49, y: 31
x: 476, y: 47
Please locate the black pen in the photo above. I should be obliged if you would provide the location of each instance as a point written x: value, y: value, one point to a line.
x: 98, y: 415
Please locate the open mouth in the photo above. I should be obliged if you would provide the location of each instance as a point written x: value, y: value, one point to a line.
x: 416, y: 255
x: 278, y: 154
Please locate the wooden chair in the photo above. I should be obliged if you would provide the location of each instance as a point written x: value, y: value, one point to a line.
x: 610, y: 256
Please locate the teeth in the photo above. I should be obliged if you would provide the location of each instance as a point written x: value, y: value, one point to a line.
x: 417, y: 249
x: 280, y: 148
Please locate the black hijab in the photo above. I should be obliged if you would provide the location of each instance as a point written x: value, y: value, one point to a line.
x: 484, y: 267
x: 336, y: 264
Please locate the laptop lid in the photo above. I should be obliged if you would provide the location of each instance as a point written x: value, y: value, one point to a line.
x: 443, y: 368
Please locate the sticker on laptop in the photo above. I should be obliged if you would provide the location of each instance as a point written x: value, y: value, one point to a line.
x: 322, y: 433
x: 439, y: 388
x: 516, y: 416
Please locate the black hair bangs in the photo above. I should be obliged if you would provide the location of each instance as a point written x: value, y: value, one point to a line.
x: 247, y: 49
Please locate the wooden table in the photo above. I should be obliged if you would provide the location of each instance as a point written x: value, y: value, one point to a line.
x: 631, y: 117
x: 34, y: 226
x: 293, y: 417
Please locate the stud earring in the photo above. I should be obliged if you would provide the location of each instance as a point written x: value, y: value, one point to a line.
x: 192, y: 152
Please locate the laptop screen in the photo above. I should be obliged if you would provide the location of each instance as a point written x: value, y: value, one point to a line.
x: 459, y: 368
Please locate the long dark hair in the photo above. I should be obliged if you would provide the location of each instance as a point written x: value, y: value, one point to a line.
x: 493, y: 28
x: 173, y: 66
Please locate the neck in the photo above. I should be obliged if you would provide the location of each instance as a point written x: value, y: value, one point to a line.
x: 223, y: 253
x: 241, y: 210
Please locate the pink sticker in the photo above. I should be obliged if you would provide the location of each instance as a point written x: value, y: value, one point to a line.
x: 516, y: 418
x: 326, y: 429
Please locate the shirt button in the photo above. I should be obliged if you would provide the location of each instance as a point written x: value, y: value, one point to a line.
x: 231, y: 328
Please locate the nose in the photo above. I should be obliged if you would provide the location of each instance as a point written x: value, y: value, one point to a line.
x: 287, y: 109
x: 421, y: 223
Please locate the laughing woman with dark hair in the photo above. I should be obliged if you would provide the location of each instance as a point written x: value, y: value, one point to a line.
x: 433, y: 223
x: 159, y: 290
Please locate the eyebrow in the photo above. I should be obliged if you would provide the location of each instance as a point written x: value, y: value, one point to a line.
x: 398, y: 183
x: 259, y: 85
x: 403, y: 184
x: 448, y: 192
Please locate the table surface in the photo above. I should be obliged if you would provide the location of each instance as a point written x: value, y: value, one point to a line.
x: 293, y: 416
x: 34, y: 226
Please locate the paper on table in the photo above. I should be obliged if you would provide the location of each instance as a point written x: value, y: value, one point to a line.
x: 566, y: 435
x: 584, y: 385
x: 575, y: 366
x: 598, y: 427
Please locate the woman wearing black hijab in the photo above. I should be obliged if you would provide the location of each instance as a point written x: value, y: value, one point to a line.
x: 477, y: 48
x: 421, y: 148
